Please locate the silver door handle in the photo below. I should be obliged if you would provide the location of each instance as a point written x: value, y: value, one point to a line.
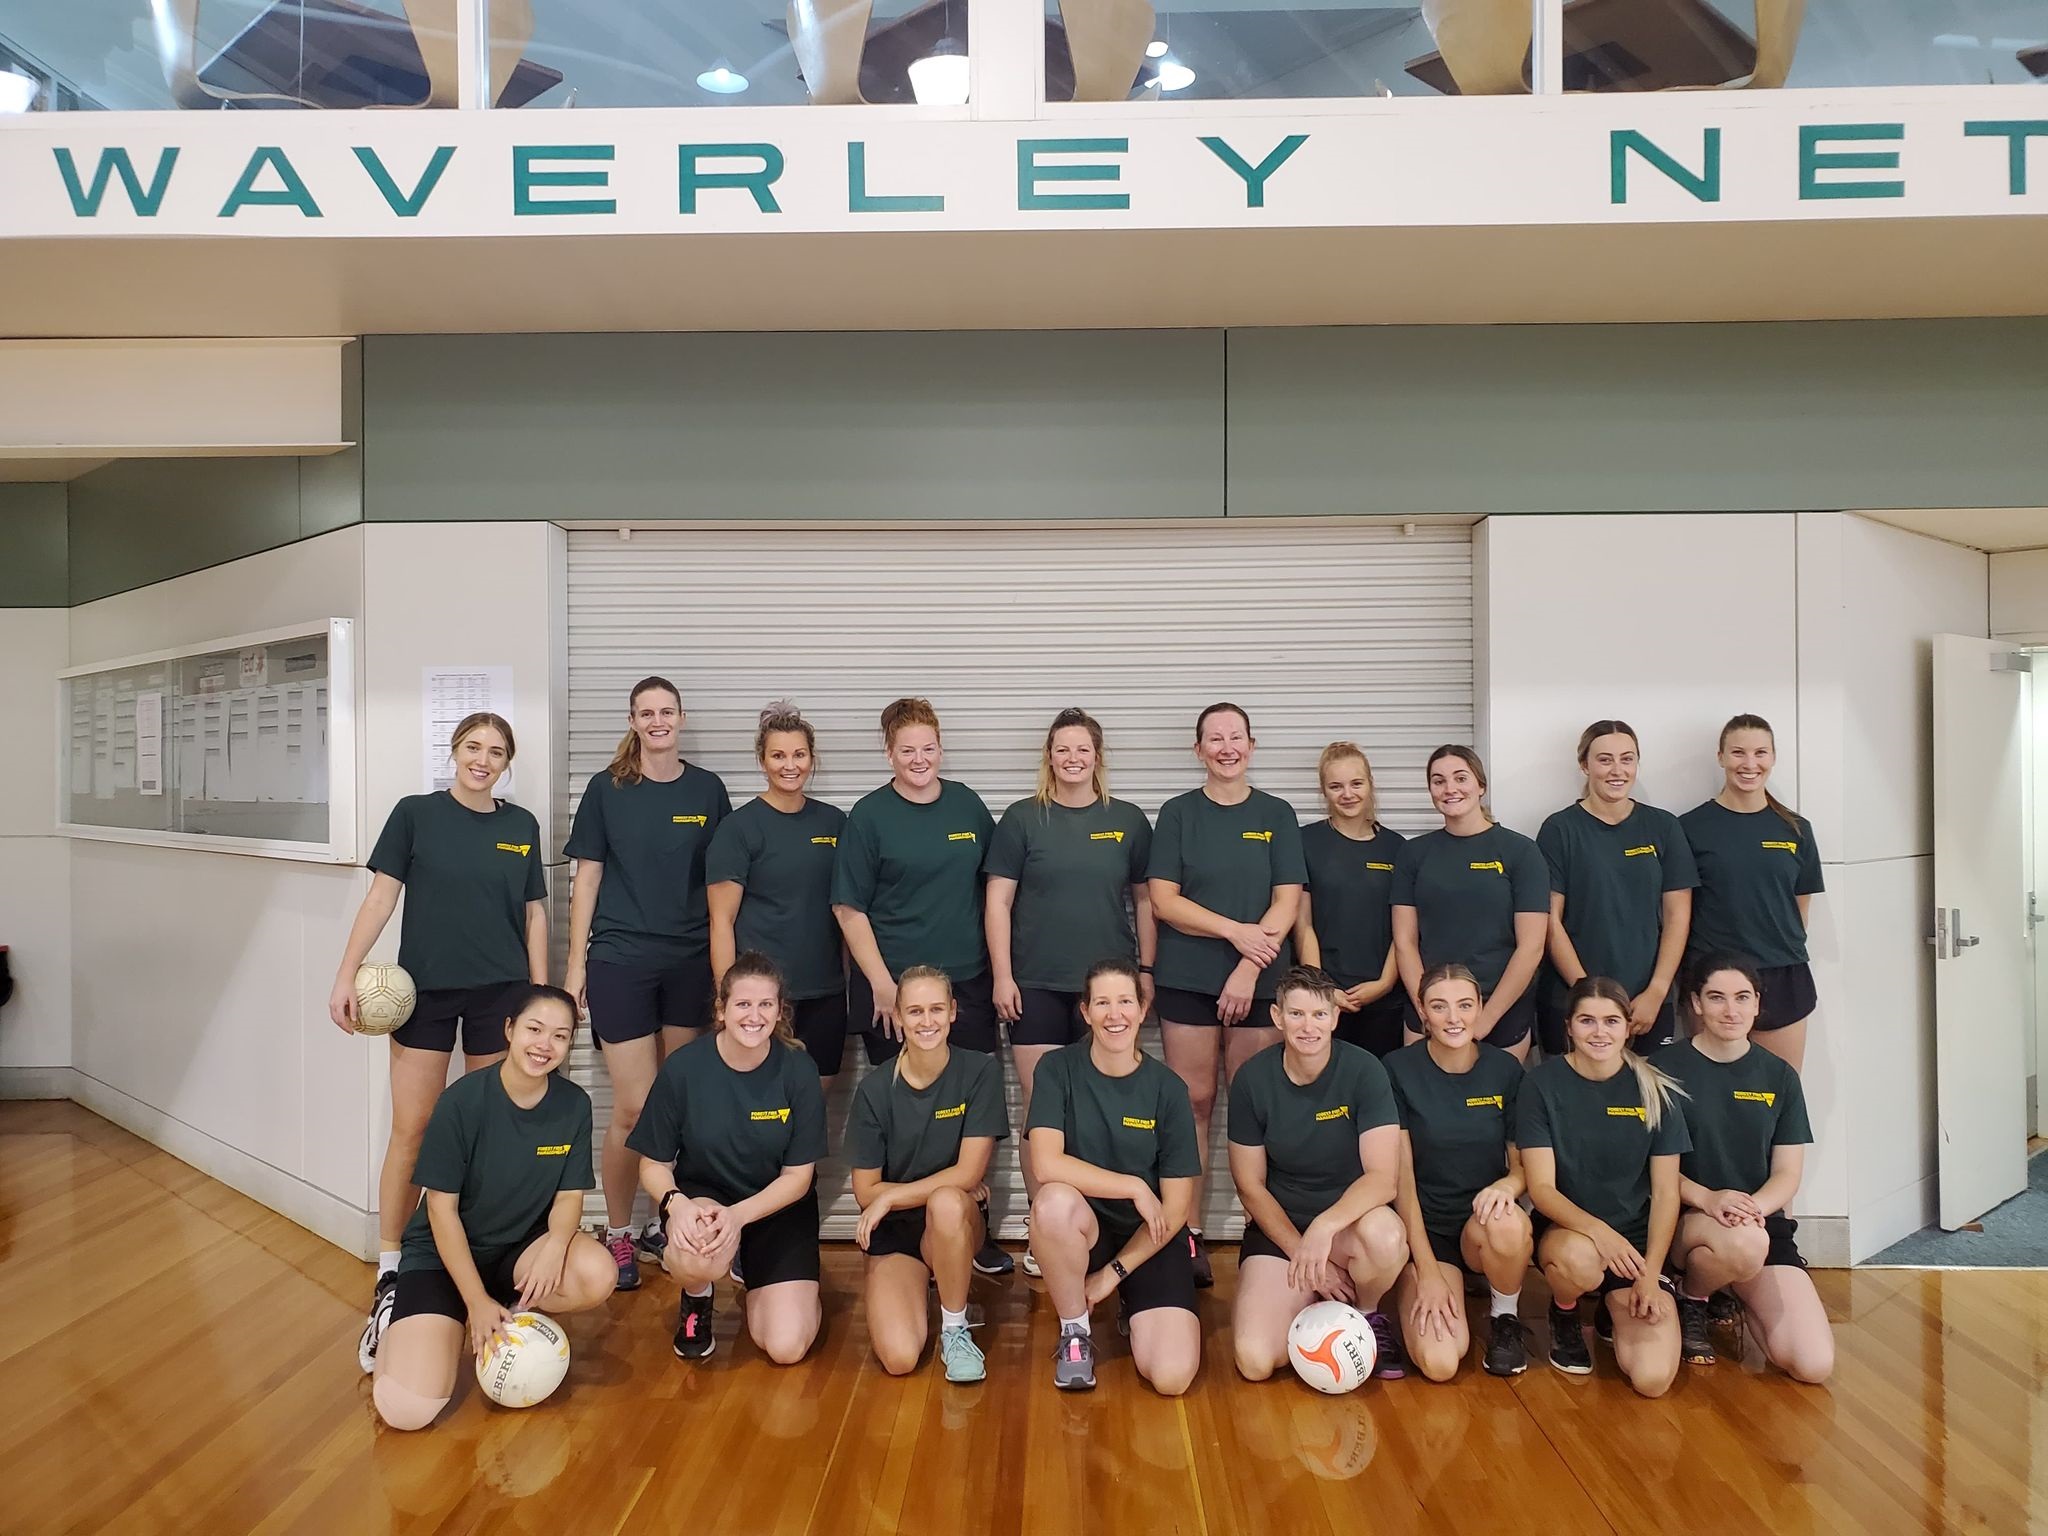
x: 1939, y: 938
x: 1955, y: 931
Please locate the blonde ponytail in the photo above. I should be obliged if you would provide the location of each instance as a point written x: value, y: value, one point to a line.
x: 1658, y: 1087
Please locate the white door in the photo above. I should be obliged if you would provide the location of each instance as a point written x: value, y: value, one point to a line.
x: 1980, y: 924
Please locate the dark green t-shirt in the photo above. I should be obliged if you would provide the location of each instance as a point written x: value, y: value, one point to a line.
x: 468, y: 876
x: 650, y: 838
x: 1613, y: 881
x: 1459, y: 1126
x: 1227, y: 858
x: 1466, y: 892
x: 504, y: 1164
x: 1753, y: 869
x: 782, y: 862
x: 912, y: 1133
x: 1351, y: 890
x: 1074, y: 871
x: 1310, y: 1132
x: 1139, y: 1125
x: 1602, y: 1140
x: 1739, y: 1111
x: 915, y: 870
x: 730, y: 1133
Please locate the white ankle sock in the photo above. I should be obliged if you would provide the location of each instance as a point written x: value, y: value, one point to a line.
x: 387, y: 1262
x: 1076, y: 1325
x: 952, y: 1319
x: 706, y: 1291
x: 1504, y: 1306
x: 612, y: 1234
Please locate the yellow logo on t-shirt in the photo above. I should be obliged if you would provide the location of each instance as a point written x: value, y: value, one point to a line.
x: 1106, y: 837
x: 950, y: 1114
x: 770, y: 1114
x: 1140, y: 1125
x: 1341, y: 1112
x: 1629, y: 1112
x: 1493, y: 864
x: 1636, y: 853
x: 960, y: 837
x: 829, y: 842
x: 1487, y: 1101
x: 1369, y: 864
x: 1787, y: 847
x: 560, y: 1151
x: 1768, y: 1100
x: 522, y: 849
x: 691, y: 821
x: 1258, y: 837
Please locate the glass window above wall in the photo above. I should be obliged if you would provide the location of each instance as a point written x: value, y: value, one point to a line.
x: 723, y: 53
x: 219, y: 55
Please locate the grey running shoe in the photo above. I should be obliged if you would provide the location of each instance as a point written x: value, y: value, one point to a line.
x: 1073, y: 1365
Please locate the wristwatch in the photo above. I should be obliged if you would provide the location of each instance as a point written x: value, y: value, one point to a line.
x: 661, y: 1210
x: 1116, y: 1267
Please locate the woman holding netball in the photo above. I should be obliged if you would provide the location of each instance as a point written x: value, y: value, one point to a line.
x: 1474, y: 894
x: 474, y: 933
x: 1315, y: 1150
x: 1461, y: 1183
x: 1062, y: 867
x: 639, y: 932
x: 1746, y: 1113
x: 504, y: 1164
x: 1346, y: 922
x: 1226, y: 877
x: 1601, y: 1136
x: 918, y: 1140
x: 1759, y: 872
x: 729, y: 1144
x: 1114, y: 1141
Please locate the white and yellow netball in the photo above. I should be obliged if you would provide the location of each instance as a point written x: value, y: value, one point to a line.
x: 1331, y: 1347
x: 384, y: 998
x: 528, y: 1363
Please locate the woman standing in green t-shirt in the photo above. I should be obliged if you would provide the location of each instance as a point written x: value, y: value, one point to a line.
x: 475, y: 930
x: 1601, y: 1135
x: 1346, y: 922
x: 1226, y: 876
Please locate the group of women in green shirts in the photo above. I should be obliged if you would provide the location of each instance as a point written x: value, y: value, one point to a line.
x: 688, y: 914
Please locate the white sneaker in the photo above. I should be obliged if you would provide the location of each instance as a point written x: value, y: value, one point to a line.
x: 1029, y: 1263
x: 382, y: 1301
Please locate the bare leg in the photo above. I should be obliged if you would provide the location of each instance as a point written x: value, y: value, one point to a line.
x: 1500, y: 1249
x: 1026, y: 1059
x: 1788, y: 1043
x: 1166, y: 1347
x: 952, y: 1233
x: 417, y: 1078
x: 1194, y: 1051
x: 784, y: 1319
x: 1788, y: 1321
x: 1646, y: 1352
x: 1436, y: 1355
x: 1571, y: 1264
x: 1063, y: 1233
x: 898, y: 1313
x: 1710, y: 1255
x: 1373, y: 1252
x: 674, y: 1039
x: 1259, y: 1317
x: 588, y: 1277
x: 631, y: 1065
x: 416, y: 1364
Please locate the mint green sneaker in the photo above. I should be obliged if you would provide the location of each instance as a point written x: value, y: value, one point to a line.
x: 962, y: 1355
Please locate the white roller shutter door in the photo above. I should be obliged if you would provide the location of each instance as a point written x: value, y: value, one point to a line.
x: 1321, y: 629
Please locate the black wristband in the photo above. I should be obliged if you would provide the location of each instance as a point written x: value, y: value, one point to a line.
x: 661, y: 1209
x: 1144, y: 970
x: 1116, y: 1267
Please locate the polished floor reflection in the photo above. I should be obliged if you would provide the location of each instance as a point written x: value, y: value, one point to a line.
x: 178, y: 1359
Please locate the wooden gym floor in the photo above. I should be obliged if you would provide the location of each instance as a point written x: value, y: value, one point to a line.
x: 178, y: 1359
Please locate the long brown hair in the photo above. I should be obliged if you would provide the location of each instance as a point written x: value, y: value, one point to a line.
x: 1336, y: 752
x: 1099, y: 783
x: 1469, y: 756
x: 751, y: 964
x: 1657, y: 1087
x: 1759, y: 723
x: 625, y: 765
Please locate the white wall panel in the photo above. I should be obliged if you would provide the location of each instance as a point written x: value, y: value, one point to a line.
x: 2019, y: 595
x: 35, y: 869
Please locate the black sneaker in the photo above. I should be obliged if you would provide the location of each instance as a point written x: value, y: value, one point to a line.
x: 1724, y: 1309
x: 382, y: 1299
x: 1073, y: 1363
x: 1603, y: 1322
x: 1568, y: 1350
x: 1198, y: 1257
x: 1507, y: 1352
x: 649, y: 1243
x: 992, y: 1259
x: 1695, y: 1332
x: 693, y: 1328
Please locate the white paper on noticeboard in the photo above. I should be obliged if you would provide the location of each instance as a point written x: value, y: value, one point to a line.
x: 449, y: 694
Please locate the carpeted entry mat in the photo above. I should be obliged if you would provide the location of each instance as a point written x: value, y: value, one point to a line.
x: 2015, y: 1234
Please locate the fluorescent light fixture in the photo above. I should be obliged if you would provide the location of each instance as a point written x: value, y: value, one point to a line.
x: 1175, y: 76
x: 942, y: 77
x: 1156, y: 49
x: 722, y: 80
x: 17, y: 91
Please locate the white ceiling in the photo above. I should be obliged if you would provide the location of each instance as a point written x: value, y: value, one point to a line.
x: 1997, y: 530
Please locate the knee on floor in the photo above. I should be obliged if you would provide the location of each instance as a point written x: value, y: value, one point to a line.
x: 400, y: 1407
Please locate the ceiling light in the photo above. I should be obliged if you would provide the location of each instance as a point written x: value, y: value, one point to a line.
x: 1156, y: 49
x: 1175, y: 76
x: 17, y: 91
x: 942, y: 77
x: 722, y: 81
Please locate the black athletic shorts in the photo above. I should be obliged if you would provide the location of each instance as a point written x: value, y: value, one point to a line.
x: 898, y: 1232
x: 1509, y: 1029
x: 1785, y: 996
x: 820, y: 1023
x: 1449, y: 1248
x: 478, y: 1012
x: 1781, y: 1229
x: 1177, y: 1006
x: 630, y: 1002
x: 1377, y: 1026
x: 781, y: 1246
x: 1610, y: 1282
x: 1553, y: 1027
x: 433, y: 1290
x: 1167, y: 1279
x: 1048, y: 1018
x: 974, y: 1025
